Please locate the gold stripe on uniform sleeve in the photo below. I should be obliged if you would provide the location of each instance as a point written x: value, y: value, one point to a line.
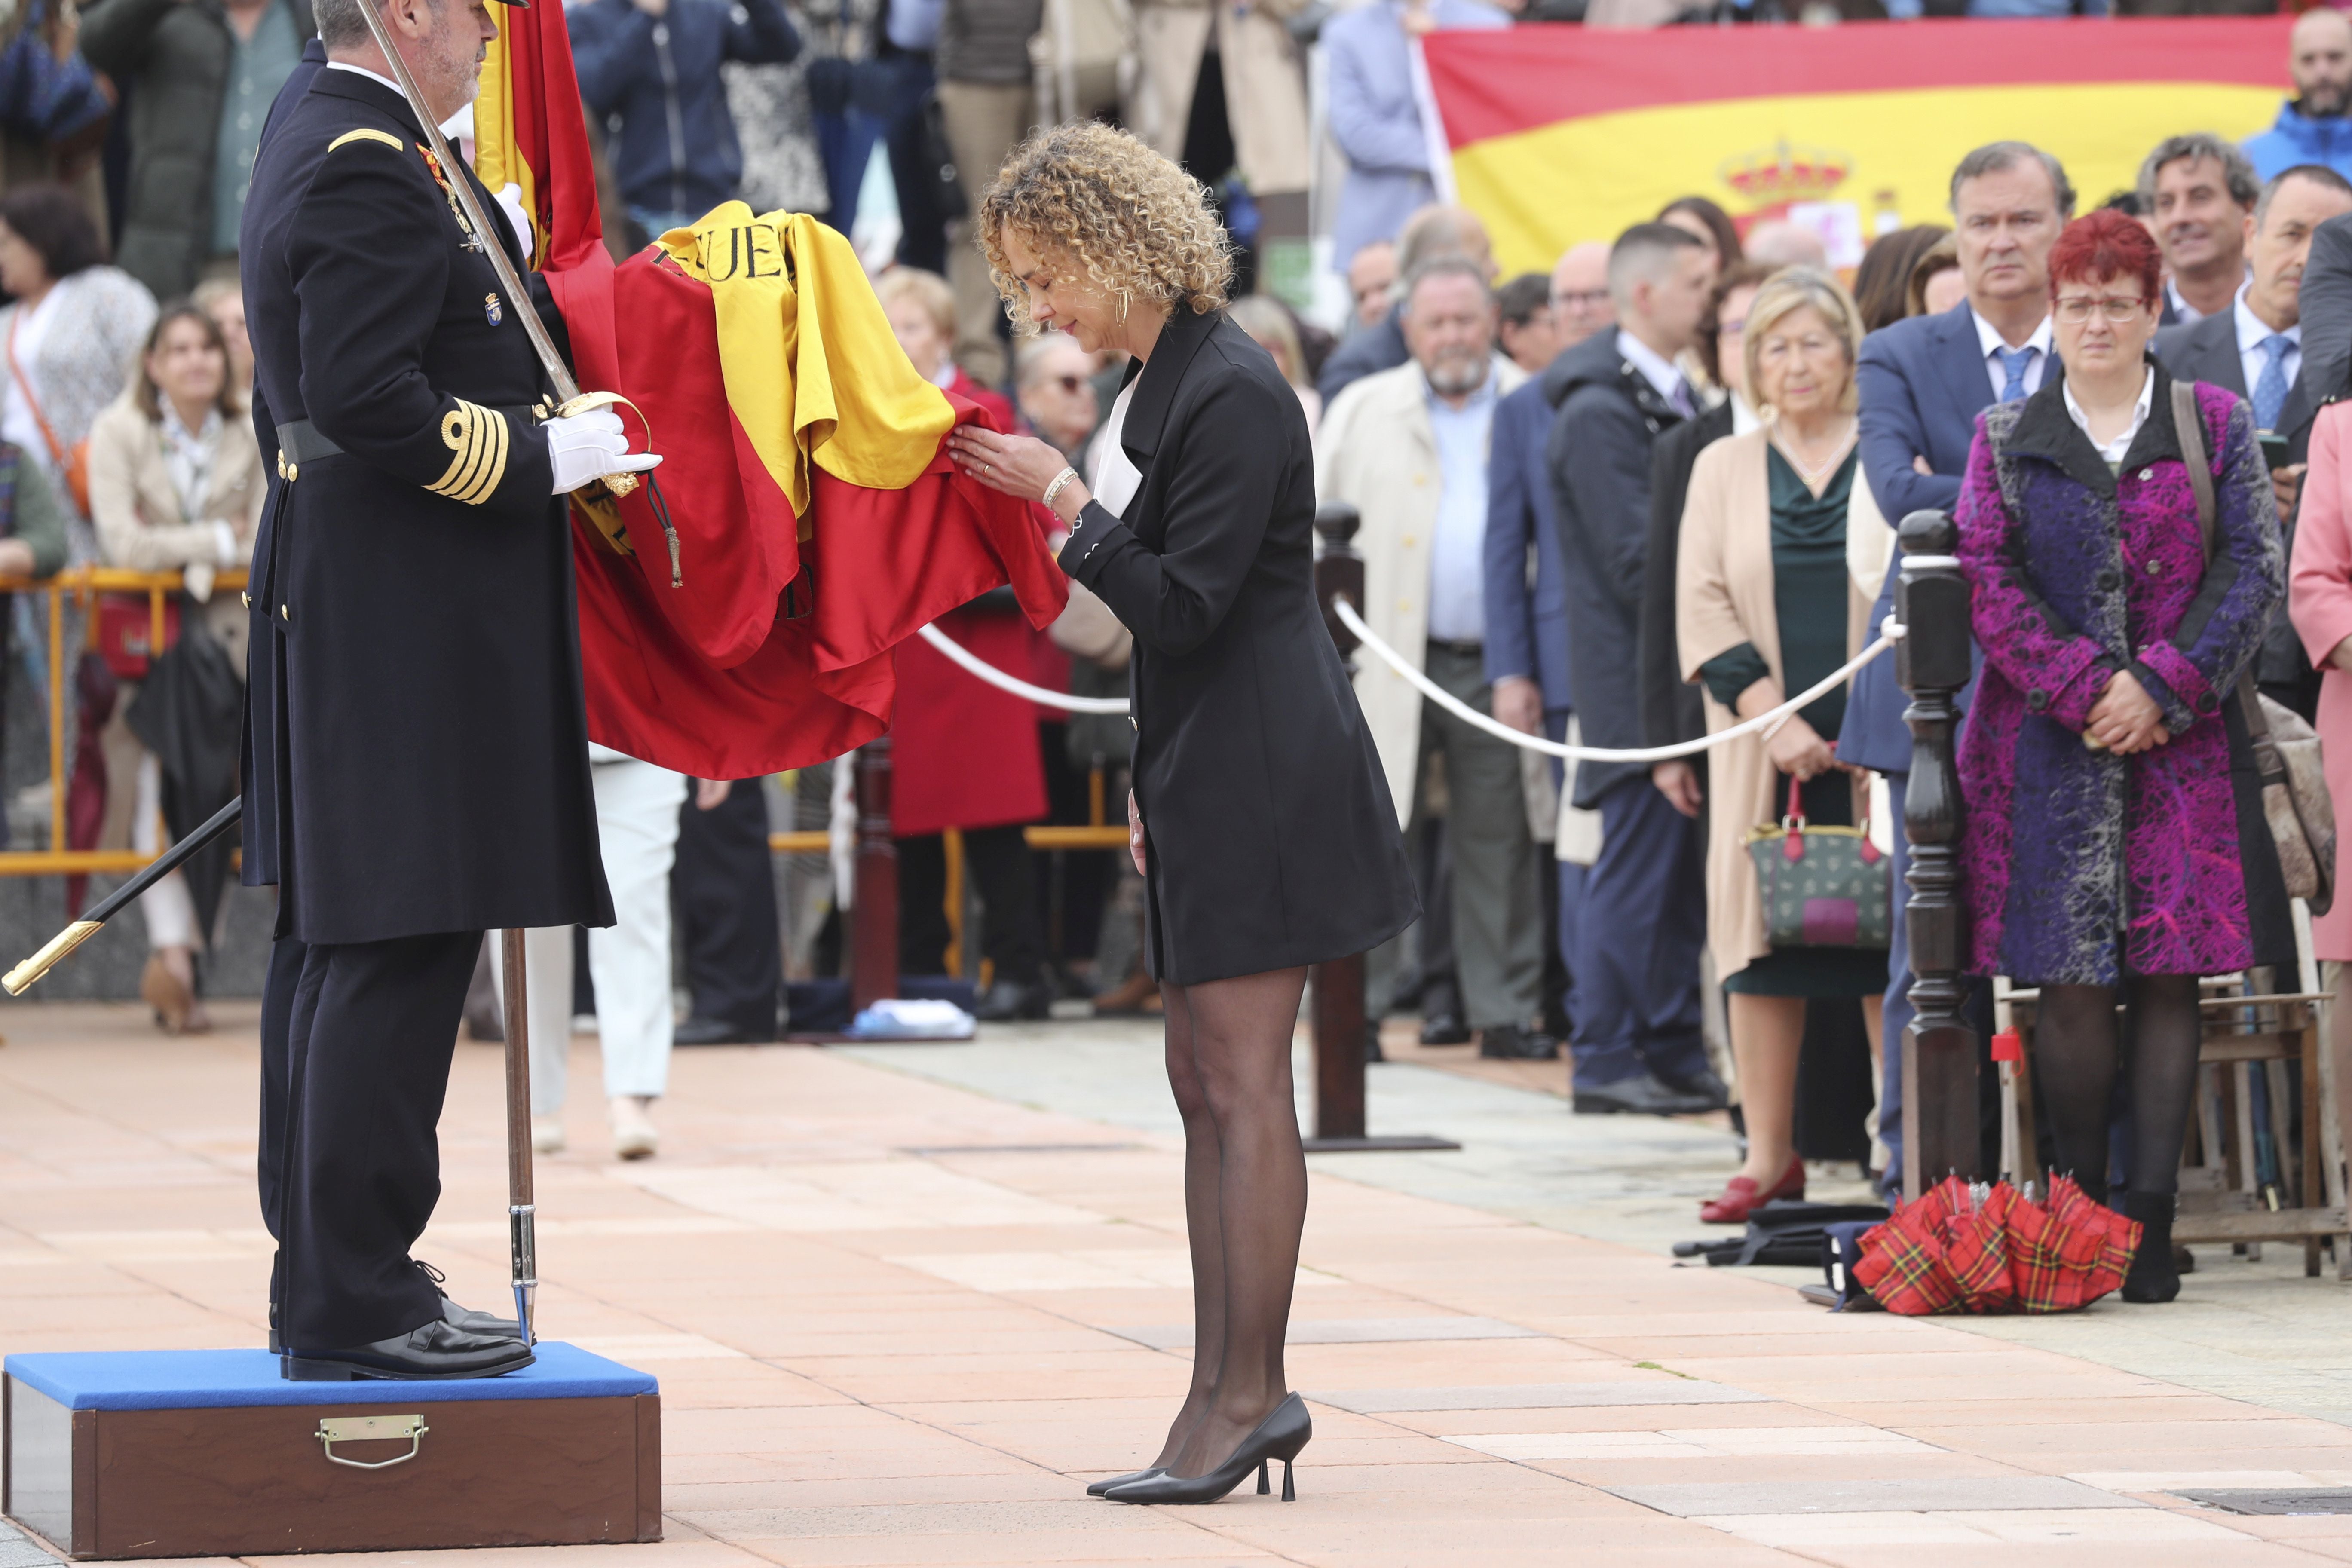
x: 364, y: 134
x: 477, y: 438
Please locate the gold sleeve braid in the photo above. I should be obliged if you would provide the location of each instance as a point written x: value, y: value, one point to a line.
x: 477, y: 437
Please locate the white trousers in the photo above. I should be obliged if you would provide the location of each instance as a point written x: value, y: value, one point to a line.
x: 170, y: 913
x: 636, y: 818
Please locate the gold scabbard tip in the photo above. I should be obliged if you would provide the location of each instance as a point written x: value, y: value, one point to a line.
x: 20, y: 979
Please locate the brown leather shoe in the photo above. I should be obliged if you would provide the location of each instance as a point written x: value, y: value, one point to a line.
x: 1138, y: 996
x: 167, y: 994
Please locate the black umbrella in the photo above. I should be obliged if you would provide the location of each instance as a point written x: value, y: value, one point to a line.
x: 190, y: 712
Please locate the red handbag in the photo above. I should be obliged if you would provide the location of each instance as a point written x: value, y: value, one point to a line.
x: 123, y: 630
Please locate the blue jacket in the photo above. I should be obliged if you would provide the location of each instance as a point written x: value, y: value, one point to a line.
x: 1922, y: 384
x: 41, y: 99
x: 675, y: 152
x: 2293, y: 139
x: 1527, y: 628
x: 1376, y: 119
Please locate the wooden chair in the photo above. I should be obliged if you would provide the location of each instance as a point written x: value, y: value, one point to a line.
x: 2222, y: 1198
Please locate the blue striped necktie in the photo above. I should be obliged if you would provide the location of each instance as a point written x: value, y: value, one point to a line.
x: 2013, y: 363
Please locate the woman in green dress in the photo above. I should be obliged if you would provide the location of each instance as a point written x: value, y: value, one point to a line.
x: 1765, y: 607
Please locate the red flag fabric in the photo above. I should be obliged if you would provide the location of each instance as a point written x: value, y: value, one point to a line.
x: 766, y: 651
x: 530, y: 131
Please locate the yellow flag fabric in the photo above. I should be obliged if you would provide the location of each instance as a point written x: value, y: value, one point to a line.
x: 812, y: 370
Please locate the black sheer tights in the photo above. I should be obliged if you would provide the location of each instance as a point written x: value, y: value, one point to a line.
x: 1245, y: 1201
x: 2074, y: 1065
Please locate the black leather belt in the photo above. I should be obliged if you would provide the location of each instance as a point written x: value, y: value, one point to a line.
x: 1453, y: 645
x: 301, y: 443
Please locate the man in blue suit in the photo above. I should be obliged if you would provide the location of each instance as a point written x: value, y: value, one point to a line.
x: 1923, y: 382
x: 1526, y: 622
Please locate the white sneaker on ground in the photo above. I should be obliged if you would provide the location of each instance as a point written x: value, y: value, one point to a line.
x: 547, y: 1134
x: 633, y: 1137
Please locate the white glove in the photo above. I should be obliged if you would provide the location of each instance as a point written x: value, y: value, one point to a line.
x: 510, y: 204
x: 587, y: 447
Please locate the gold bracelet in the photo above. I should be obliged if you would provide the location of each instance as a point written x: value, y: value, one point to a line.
x: 1060, y: 479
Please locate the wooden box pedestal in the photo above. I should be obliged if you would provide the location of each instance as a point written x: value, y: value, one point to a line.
x: 209, y: 1454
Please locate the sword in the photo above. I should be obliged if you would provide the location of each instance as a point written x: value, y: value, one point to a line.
x: 521, y: 1212
x: 597, y: 498
x: 20, y: 979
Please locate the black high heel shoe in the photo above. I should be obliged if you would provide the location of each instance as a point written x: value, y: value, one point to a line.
x: 1100, y: 1489
x: 1280, y: 1436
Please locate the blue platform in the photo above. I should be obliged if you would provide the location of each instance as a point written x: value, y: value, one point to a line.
x: 193, y: 1380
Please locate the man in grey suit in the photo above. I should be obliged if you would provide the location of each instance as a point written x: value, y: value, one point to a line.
x: 2255, y: 349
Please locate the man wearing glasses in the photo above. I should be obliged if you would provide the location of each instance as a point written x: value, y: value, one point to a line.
x: 2255, y: 347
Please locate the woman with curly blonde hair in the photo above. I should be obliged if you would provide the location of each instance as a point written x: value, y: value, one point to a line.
x: 1259, y: 818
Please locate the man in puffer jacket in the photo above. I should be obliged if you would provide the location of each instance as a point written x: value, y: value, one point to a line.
x: 653, y: 66
x: 2312, y: 127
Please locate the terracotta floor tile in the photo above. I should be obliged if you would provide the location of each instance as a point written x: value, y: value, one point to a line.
x: 883, y: 1313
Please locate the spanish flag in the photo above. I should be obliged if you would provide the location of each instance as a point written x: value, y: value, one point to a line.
x: 817, y: 520
x: 1558, y: 133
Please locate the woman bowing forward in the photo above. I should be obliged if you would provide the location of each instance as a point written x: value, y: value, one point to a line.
x: 1259, y: 819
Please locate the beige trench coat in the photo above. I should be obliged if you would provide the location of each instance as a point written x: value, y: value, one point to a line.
x: 1266, y: 85
x: 1375, y: 448
x: 1723, y: 597
x: 137, y: 512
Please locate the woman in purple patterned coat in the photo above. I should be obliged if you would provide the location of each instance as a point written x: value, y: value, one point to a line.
x: 2114, y: 845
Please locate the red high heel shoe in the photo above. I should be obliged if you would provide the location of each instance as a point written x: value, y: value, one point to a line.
x: 1739, y: 1195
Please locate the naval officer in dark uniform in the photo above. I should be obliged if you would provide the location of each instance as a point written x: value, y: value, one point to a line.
x: 416, y: 765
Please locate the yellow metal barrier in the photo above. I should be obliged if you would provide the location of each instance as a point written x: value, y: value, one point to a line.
x: 83, y: 585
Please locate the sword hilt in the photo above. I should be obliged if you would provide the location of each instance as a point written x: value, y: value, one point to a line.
x: 20, y: 979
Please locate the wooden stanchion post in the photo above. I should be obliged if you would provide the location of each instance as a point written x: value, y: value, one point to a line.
x: 1939, y: 1049
x: 874, y: 955
x: 1341, y: 1025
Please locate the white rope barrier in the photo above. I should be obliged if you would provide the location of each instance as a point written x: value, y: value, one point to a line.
x: 1891, y: 632
x: 980, y: 666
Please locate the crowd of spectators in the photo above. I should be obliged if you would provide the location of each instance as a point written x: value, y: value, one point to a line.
x: 1629, y: 501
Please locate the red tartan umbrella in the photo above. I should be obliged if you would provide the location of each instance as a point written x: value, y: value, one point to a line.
x: 1961, y: 1249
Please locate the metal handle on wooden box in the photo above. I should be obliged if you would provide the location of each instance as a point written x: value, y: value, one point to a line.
x: 334, y: 1429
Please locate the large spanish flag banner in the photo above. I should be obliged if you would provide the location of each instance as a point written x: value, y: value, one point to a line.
x: 1561, y: 133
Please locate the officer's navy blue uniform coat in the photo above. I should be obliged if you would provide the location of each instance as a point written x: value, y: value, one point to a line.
x: 418, y: 755
x: 415, y: 760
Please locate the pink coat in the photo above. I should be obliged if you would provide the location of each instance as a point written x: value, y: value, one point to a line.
x: 2319, y: 598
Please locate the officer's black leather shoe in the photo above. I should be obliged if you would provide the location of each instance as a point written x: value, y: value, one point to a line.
x: 1445, y: 1029
x: 437, y: 1349
x: 456, y: 1317
x: 1009, y: 1000
x: 467, y: 1318
x: 1509, y: 1043
x: 1702, y: 1085
x: 1640, y: 1094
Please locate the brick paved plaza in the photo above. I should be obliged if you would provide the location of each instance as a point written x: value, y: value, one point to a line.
x: 904, y: 1302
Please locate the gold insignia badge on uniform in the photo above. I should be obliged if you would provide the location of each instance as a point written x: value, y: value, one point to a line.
x: 490, y: 309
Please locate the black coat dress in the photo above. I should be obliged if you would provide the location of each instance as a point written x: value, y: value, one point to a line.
x: 416, y: 751
x: 1271, y: 839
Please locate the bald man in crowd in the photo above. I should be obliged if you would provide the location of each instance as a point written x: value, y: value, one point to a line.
x: 2311, y: 126
x: 1580, y: 293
